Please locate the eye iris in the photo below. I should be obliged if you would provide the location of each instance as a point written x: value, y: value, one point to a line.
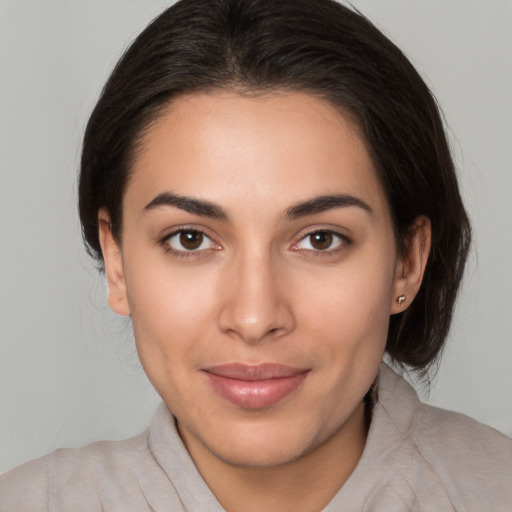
x: 191, y: 239
x: 321, y: 240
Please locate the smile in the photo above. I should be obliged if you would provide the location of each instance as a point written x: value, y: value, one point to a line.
x: 254, y: 387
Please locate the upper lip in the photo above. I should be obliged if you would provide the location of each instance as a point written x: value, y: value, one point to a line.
x: 254, y: 372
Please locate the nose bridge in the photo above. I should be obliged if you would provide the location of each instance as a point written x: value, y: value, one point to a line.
x: 256, y: 306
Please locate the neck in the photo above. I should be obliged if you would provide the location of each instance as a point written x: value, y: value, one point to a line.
x: 306, y: 484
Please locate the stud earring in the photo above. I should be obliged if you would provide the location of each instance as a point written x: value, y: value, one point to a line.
x: 400, y: 299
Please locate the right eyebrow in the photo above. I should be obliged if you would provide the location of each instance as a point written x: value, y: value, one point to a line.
x: 189, y: 204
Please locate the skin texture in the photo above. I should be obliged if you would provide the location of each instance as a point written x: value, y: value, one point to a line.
x: 258, y: 288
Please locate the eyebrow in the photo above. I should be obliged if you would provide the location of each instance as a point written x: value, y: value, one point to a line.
x: 188, y: 204
x: 208, y: 209
x: 323, y: 203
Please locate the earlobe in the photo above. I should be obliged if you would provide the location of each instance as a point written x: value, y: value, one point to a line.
x: 411, y: 267
x: 112, y: 257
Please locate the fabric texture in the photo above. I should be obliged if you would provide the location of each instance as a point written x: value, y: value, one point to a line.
x: 416, y: 458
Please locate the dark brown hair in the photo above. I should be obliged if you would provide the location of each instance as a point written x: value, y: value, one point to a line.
x: 315, y: 46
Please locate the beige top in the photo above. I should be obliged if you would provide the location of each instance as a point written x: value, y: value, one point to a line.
x: 417, y: 458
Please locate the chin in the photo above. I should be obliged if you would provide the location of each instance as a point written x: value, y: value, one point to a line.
x: 263, y: 445
x: 260, y: 455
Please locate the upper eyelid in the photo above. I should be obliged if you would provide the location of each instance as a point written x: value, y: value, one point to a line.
x: 185, y: 230
x: 174, y: 231
x: 345, y: 242
x: 311, y: 231
x: 324, y: 230
x: 164, y: 242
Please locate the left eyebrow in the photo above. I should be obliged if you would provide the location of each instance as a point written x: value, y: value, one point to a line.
x: 323, y: 203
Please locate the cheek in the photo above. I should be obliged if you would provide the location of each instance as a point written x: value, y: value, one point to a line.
x: 347, y: 314
x: 352, y: 299
x: 347, y: 333
x: 172, y: 311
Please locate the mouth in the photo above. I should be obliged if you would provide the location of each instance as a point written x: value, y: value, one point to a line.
x: 254, y: 386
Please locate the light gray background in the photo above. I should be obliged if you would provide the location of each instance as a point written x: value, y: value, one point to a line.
x: 69, y: 373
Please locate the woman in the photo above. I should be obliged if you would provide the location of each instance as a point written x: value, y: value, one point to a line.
x: 270, y: 191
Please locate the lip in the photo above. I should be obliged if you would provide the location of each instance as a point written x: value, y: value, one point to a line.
x: 254, y: 386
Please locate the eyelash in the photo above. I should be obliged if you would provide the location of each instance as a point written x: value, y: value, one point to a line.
x: 184, y: 253
x: 343, y: 241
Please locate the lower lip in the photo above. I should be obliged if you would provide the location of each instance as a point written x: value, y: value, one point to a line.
x: 255, y: 394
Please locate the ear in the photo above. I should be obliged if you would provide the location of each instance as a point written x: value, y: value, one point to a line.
x: 411, y: 266
x: 112, y: 256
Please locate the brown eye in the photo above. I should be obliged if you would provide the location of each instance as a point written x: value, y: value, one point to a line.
x: 191, y: 240
x: 321, y: 240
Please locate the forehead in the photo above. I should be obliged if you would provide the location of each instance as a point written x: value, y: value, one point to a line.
x: 274, y: 148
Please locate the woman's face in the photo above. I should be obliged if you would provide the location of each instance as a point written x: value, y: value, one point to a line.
x: 259, y: 266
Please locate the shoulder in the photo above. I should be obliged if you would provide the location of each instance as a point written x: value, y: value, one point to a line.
x: 27, y: 485
x: 465, y: 453
x: 449, y: 432
x: 74, y: 477
x: 472, y: 461
x: 140, y: 474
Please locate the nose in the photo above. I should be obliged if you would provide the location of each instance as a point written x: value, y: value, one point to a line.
x: 256, y: 305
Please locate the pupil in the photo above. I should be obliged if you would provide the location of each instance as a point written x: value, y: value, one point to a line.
x: 321, y: 240
x: 191, y: 239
